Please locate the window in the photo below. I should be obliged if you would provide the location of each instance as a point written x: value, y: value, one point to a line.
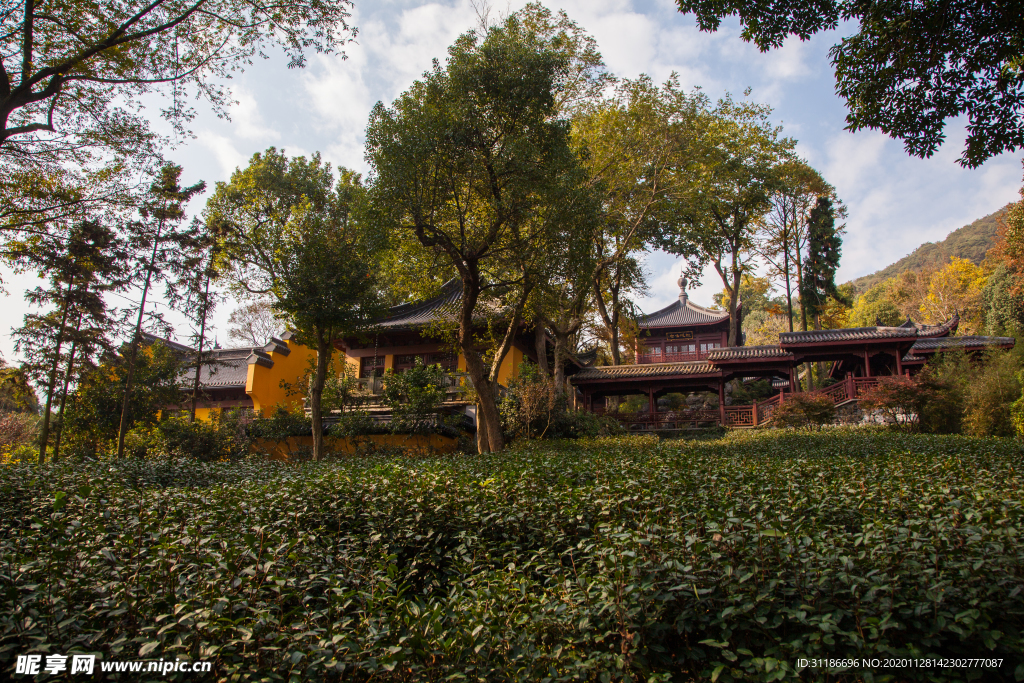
x: 367, y: 367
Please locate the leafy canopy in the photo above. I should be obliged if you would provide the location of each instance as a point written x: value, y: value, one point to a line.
x: 911, y: 65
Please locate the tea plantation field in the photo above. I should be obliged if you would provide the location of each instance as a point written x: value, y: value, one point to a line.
x: 619, y: 559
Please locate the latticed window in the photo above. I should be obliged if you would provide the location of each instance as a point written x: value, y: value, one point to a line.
x: 369, y: 368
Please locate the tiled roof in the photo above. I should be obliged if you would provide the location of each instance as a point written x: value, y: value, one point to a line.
x: 408, y: 316
x: 643, y: 370
x: 682, y: 312
x: 226, y: 367
x: 945, y: 329
x: 745, y: 352
x: 911, y: 358
x: 849, y: 334
x: 965, y: 342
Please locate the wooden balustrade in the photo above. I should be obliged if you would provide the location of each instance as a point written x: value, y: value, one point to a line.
x: 754, y: 415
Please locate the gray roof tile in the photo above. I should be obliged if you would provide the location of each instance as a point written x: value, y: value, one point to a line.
x: 964, y: 342
x: 745, y: 352
x: 643, y: 370
x: 849, y: 334
x: 680, y: 313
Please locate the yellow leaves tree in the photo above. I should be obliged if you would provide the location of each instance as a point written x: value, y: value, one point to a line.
x: 956, y: 288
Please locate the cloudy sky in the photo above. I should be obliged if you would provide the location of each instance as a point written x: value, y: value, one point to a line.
x: 895, y: 202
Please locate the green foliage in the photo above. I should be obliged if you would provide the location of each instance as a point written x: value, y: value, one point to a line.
x: 72, y: 137
x: 532, y: 408
x: 876, y: 306
x: 642, y: 560
x: 982, y: 391
x: 801, y: 410
x: 415, y: 396
x: 906, y: 69
x: 993, y: 387
x: 16, y: 393
x: 824, y: 248
x: 745, y: 393
x: 280, y: 425
x: 94, y: 410
x: 1004, y: 309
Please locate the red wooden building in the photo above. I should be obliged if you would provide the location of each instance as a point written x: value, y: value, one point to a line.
x: 682, y: 349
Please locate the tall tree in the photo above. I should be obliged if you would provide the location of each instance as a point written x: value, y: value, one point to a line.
x: 783, y: 236
x: 298, y: 236
x: 81, y: 265
x: 727, y: 194
x: 165, y: 252
x: 474, y: 161
x: 824, y: 249
x: 910, y: 67
x: 635, y: 142
x: 73, y: 76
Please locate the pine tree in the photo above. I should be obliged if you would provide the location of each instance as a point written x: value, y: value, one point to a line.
x: 824, y: 248
x: 81, y: 266
x: 165, y: 253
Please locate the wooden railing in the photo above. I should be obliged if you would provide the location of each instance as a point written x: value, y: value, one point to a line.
x: 646, y: 358
x: 753, y: 415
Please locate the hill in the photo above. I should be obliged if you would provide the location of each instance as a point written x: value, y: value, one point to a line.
x: 969, y: 242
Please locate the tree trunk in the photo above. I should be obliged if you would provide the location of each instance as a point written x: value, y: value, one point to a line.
x: 199, y: 355
x: 610, y: 319
x: 561, y: 342
x: 789, y: 289
x: 735, y: 323
x: 64, y: 392
x: 133, y: 351
x: 44, y: 430
x: 324, y: 351
x: 541, y: 346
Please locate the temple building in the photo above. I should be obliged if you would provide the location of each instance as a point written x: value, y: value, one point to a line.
x: 683, y: 351
x: 255, y: 378
x: 681, y: 348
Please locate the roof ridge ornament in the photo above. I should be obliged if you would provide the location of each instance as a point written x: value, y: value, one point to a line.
x: 682, y: 287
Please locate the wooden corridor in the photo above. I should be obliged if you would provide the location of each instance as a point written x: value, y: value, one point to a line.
x: 741, y: 417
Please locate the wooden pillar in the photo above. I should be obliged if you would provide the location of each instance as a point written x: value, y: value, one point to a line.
x: 650, y: 401
x: 899, y: 361
x: 721, y: 401
x: 867, y: 363
x: 792, y: 379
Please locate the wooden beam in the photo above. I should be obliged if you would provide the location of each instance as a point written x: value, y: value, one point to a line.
x: 721, y: 401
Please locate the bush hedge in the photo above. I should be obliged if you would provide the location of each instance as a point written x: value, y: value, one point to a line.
x: 610, y: 559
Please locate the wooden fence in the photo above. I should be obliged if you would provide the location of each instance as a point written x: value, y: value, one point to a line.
x: 754, y: 415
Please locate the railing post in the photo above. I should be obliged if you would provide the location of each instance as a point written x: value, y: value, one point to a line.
x: 755, y: 412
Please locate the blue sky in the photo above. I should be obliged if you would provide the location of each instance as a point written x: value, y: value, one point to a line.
x: 895, y: 202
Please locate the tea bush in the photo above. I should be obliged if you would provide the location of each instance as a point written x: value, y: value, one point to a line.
x: 801, y: 410
x: 606, y: 559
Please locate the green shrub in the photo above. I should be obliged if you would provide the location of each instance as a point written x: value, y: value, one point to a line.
x: 280, y: 425
x: 606, y: 559
x: 17, y: 429
x: 802, y: 410
x: 992, y: 389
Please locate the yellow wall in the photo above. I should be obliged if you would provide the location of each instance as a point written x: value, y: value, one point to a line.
x: 263, y: 384
x: 510, y: 366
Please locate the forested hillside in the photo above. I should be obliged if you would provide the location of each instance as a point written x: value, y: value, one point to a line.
x: 969, y: 242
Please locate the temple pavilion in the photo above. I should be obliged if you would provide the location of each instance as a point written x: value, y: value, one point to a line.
x: 682, y: 349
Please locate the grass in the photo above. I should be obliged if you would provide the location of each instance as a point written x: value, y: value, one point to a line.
x: 614, y: 559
